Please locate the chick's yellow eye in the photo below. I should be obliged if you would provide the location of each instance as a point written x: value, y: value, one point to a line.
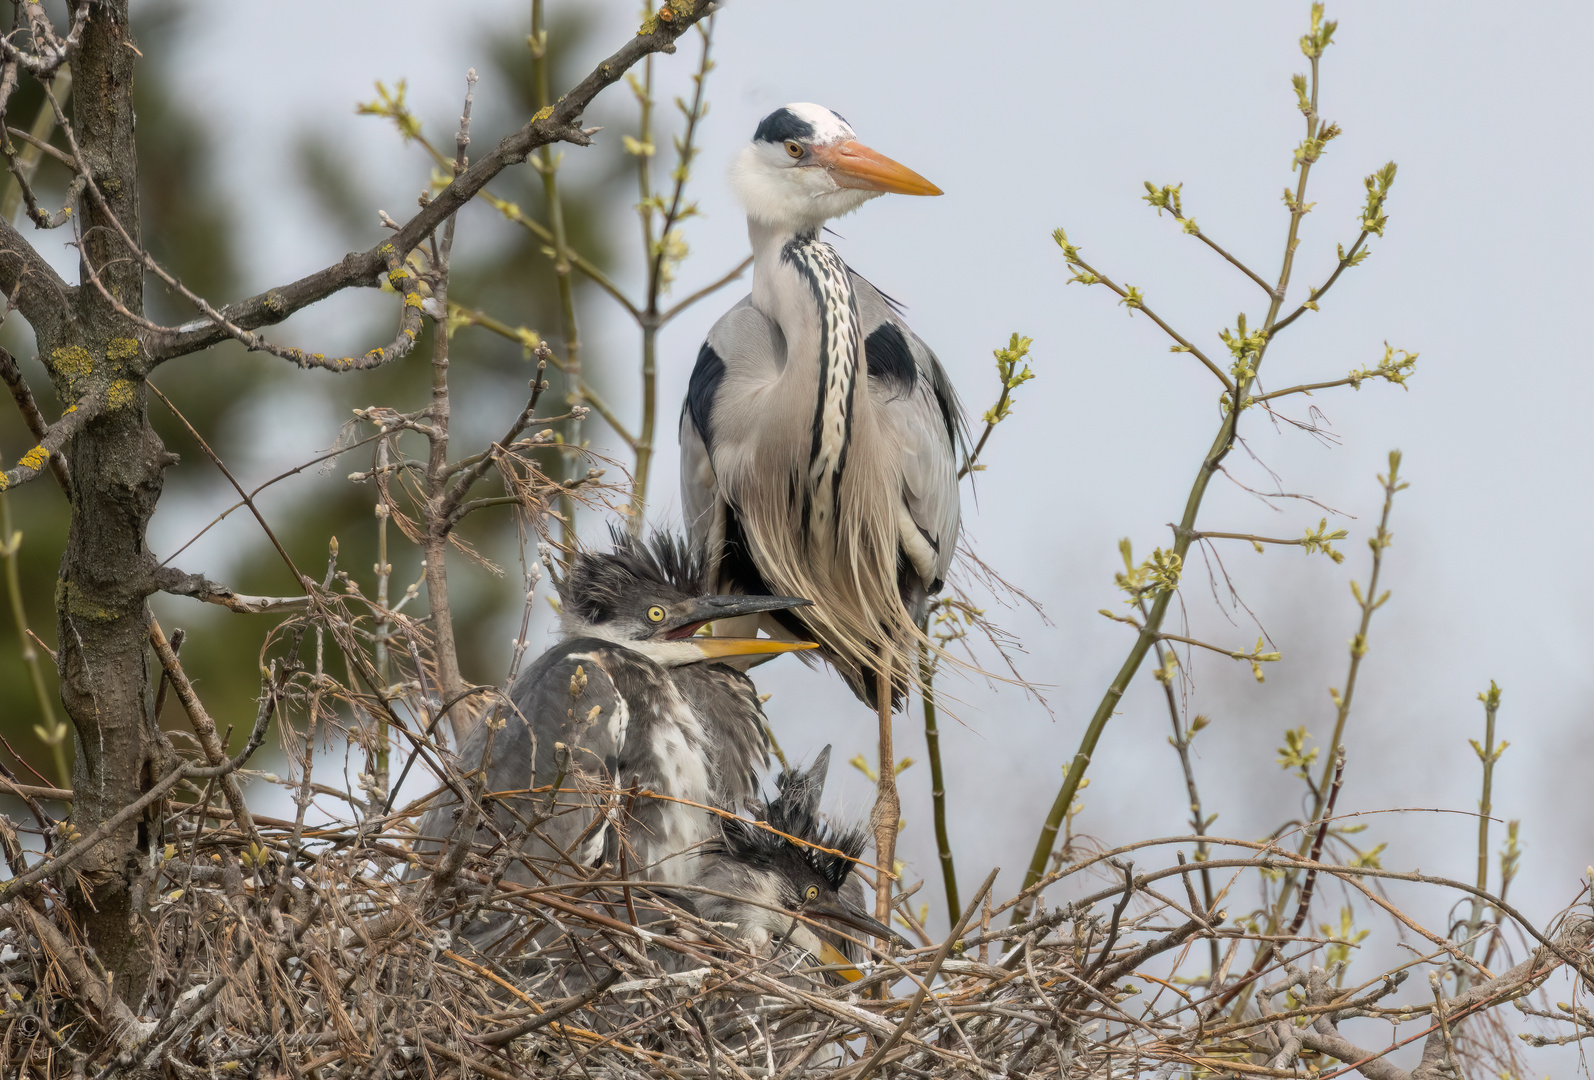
x: 812, y: 893
x: 794, y: 149
x: 655, y: 614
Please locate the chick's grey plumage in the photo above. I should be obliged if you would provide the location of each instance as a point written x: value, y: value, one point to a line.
x: 820, y: 436
x: 794, y: 890
x: 627, y: 697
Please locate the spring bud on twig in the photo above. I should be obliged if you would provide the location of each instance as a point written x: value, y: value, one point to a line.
x: 1245, y: 346
x: 1319, y: 540
x: 1293, y: 755
x: 1158, y: 574
x: 1321, y: 34
x: 1378, y: 184
x: 391, y: 105
x: 1257, y: 658
x: 1396, y: 367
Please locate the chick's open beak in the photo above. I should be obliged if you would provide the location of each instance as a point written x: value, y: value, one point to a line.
x: 710, y: 608
x: 854, y: 165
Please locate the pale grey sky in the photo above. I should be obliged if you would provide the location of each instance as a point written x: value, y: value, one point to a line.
x: 1053, y: 114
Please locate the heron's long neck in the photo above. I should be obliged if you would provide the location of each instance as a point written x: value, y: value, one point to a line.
x: 802, y: 284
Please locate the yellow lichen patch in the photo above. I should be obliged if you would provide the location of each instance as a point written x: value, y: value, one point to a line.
x: 73, y: 362
x: 274, y: 302
x: 543, y: 113
x: 413, y: 300
x: 120, y: 394
x: 4, y: 483
x: 671, y: 11
x: 69, y: 598
x: 122, y: 348
x: 35, y: 458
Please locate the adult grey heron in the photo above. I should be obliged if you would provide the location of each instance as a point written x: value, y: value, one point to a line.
x: 630, y: 696
x: 820, y: 437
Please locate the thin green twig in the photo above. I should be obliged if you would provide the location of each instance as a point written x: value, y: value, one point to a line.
x: 1369, y: 602
x: 1245, y: 374
x: 1167, y: 664
x: 1488, y: 753
x: 663, y: 250
x: 547, y: 166
x: 51, y: 731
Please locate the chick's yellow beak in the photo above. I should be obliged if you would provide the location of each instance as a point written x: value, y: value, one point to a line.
x: 715, y: 647
x: 829, y: 954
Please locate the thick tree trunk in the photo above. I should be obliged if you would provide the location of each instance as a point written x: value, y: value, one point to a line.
x: 107, y: 678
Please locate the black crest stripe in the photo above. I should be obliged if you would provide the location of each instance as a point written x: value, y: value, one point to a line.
x: 780, y: 125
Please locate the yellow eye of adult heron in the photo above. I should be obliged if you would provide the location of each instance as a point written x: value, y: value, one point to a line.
x: 812, y: 893
x: 655, y: 614
x: 795, y: 149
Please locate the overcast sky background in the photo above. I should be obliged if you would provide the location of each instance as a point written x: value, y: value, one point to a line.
x: 1054, y: 115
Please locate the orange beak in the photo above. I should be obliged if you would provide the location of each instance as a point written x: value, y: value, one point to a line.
x: 854, y: 165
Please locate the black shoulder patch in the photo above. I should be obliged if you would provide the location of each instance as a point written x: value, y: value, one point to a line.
x: 889, y: 358
x: 782, y: 124
x: 700, y: 392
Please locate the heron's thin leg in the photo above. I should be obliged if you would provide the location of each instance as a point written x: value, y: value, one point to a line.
x: 887, y: 808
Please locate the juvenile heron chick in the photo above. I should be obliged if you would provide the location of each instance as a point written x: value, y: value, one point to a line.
x: 796, y: 890
x: 629, y: 697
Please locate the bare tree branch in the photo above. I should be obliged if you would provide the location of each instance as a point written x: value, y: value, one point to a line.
x: 11, y: 374
x: 55, y: 436
x: 32, y: 286
x: 362, y: 268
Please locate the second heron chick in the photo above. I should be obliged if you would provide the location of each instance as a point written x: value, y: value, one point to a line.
x: 788, y: 882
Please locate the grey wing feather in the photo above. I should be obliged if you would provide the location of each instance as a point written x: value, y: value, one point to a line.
x: 756, y: 350
x: 930, y: 428
x: 726, y: 702
x: 525, y: 754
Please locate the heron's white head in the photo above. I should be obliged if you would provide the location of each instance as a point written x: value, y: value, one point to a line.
x: 806, y: 166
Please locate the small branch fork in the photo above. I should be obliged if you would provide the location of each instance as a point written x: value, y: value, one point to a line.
x: 1086, y: 274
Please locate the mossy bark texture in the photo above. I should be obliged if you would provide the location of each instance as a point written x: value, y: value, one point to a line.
x: 93, y: 354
